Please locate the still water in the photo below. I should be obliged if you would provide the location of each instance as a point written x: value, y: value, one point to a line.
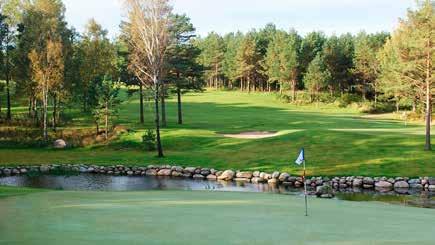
x: 91, y: 182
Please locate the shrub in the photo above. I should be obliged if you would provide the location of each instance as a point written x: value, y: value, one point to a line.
x: 149, y: 140
x: 346, y: 99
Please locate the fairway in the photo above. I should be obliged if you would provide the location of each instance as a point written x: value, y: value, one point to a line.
x: 337, y: 141
x: 171, y: 217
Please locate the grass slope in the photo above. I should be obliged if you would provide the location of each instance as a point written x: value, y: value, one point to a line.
x: 174, y: 217
x: 337, y: 141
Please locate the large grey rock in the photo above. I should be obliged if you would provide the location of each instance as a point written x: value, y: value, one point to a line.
x: 165, y: 172
x: 256, y: 174
x: 284, y: 177
x: 7, y: 172
x: 151, y: 172
x: 432, y: 188
x: 384, y: 184
x: 177, y: 174
x: 357, y: 183
x: 325, y: 191
x: 275, y: 175
x: 431, y: 180
x: 228, y: 175
x: 190, y: 170
x: 272, y: 181
x: 60, y: 144
x: 401, y: 185
x: 244, y: 175
x: 198, y: 176
x: 212, y: 177
x: 368, y: 181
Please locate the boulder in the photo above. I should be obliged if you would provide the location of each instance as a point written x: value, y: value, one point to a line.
x: 165, y: 172
x: 272, y: 181
x: 23, y: 171
x: 368, y: 181
x: 60, y: 144
x: 284, y: 177
x: 431, y: 180
x: 7, y: 172
x: 257, y: 180
x: 212, y: 177
x: 244, y: 175
x: 256, y: 174
x: 177, y: 174
x: 357, y: 183
x: 384, y: 184
x: 151, y: 172
x: 228, y: 175
x: 325, y: 191
x: 401, y: 185
x: 275, y: 175
x: 189, y: 170
x: 205, y: 171
x: 130, y: 173
x: 198, y: 176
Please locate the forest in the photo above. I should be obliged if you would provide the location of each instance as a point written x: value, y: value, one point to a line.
x: 48, y: 67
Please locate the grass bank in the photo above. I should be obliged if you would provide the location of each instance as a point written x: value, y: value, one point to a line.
x: 338, y: 141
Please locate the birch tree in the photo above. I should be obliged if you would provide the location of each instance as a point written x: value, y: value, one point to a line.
x: 148, y: 25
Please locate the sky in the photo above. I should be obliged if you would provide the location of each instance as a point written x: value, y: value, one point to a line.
x: 224, y: 16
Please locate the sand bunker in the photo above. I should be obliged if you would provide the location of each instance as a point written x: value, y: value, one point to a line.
x: 252, y: 135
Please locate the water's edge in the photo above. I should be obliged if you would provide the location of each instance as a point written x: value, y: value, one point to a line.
x: 93, y: 182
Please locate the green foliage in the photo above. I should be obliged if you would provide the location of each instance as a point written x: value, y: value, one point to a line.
x: 317, y: 77
x: 149, y: 140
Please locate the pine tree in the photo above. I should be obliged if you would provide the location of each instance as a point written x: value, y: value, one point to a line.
x: 317, y: 77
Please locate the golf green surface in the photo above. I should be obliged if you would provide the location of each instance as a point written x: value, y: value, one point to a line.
x: 177, y: 217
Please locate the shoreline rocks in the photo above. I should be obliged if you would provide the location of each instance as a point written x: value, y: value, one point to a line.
x: 320, y: 184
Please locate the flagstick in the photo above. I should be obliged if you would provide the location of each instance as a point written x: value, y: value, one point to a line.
x: 305, y: 192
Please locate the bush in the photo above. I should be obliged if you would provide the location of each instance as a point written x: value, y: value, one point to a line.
x: 379, y: 108
x: 346, y: 99
x: 149, y: 140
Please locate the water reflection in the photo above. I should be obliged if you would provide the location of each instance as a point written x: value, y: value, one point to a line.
x: 90, y: 182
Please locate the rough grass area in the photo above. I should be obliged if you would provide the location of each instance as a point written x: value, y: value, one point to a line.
x: 337, y: 141
x: 173, y: 217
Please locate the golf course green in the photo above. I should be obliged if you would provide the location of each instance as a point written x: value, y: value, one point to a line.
x: 183, y: 217
x: 338, y: 141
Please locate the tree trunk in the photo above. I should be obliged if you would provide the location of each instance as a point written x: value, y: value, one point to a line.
x: 428, y: 145
x: 44, y: 111
x: 157, y: 118
x: 142, y: 118
x: 294, y: 90
x: 180, y: 114
x: 54, y: 112
x: 163, y: 93
x: 249, y: 84
x: 8, y: 94
x: 106, y: 121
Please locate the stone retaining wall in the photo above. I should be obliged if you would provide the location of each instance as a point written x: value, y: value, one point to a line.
x: 275, y: 178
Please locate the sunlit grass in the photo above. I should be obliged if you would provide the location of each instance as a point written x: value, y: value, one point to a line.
x: 338, y: 141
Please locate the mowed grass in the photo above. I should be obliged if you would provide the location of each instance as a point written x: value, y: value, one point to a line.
x: 337, y: 141
x: 176, y: 217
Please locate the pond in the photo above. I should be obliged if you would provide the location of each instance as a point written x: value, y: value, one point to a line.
x: 92, y: 182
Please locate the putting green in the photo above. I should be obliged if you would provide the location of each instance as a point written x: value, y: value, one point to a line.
x: 177, y: 217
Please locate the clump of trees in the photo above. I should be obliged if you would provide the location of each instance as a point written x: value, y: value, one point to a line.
x: 51, y: 66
